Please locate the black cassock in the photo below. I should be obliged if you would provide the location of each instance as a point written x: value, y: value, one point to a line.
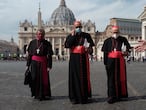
x: 39, y: 59
x: 79, y: 74
x: 115, y: 66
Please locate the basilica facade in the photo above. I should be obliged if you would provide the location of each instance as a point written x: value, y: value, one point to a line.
x: 60, y: 25
x: 57, y: 29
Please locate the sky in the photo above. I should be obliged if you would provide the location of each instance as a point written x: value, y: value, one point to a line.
x: 12, y: 12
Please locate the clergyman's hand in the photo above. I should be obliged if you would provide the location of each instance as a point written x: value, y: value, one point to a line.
x: 48, y: 69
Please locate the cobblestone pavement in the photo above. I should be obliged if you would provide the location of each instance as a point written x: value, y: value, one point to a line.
x: 16, y: 96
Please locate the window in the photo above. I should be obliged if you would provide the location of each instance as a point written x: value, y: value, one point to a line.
x: 88, y: 29
x: 25, y: 28
x: 132, y: 38
x: 136, y: 38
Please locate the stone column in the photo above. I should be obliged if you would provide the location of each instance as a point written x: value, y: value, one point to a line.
x: 143, y: 31
x: 60, y: 46
x: 144, y: 34
x: 20, y: 44
x: 53, y: 44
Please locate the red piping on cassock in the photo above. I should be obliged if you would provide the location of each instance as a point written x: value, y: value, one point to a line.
x: 82, y: 50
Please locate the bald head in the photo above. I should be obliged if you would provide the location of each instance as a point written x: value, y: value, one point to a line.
x: 77, y: 24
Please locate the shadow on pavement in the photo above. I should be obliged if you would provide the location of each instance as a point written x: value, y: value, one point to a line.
x: 97, y: 100
x: 134, y: 98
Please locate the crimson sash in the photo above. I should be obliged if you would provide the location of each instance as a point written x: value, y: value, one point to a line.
x: 78, y: 49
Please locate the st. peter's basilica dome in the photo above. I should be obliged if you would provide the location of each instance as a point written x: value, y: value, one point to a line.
x: 62, y: 15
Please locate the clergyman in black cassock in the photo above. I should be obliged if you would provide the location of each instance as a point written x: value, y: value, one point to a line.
x: 114, y: 49
x: 39, y: 60
x: 80, y: 45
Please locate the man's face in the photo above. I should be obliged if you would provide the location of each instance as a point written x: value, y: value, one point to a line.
x: 78, y: 27
x: 40, y: 35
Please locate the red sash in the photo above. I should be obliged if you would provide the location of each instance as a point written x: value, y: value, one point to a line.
x: 78, y: 49
x: 118, y: 54
x: 39, y: 58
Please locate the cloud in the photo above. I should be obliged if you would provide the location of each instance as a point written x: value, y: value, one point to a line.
x: 120, y: 9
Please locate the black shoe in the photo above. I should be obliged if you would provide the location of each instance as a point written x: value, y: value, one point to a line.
x: 35, y: 97
x: 42, y: 98
x: 74, y: 102
x: 111, y: 100
x: 84, y: 102
x: 48, y: 98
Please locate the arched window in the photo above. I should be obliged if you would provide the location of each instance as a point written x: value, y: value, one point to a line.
x: 88, y: 29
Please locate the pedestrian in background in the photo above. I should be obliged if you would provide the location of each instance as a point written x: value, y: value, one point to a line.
x: 114, y: 49
x: 39, y: 60
x: 80, y: 45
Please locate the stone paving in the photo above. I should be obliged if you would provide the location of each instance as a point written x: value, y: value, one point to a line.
x: 16, y: 96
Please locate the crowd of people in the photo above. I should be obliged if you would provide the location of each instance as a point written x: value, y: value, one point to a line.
x: 80, y: 44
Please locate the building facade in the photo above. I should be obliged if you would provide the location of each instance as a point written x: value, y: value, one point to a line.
x: 8, y: 50
x: 57, y: 29
x: 60, y: 25
x: 142, y: 18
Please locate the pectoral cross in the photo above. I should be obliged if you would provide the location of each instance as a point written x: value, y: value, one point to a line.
x: 38, y: 50
x: 115, y: 49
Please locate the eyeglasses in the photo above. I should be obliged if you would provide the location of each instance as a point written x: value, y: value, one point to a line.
x: 79, y: 27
